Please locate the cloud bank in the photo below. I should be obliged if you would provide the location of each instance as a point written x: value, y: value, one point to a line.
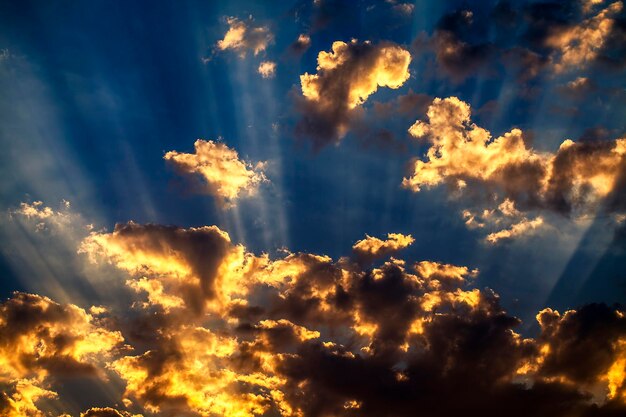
x: 306, y: 335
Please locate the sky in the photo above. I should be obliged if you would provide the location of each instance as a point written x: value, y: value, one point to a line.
x: 312, y: 208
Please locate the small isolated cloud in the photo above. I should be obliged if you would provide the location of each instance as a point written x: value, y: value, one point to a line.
x: 267, y: 69
x: 402, y: 8
x: 224, y: 175
x: 571, y: 181
x: 301, y: 44
x: 243, y: 37
x: 346, y: 76
x: 43, y: 216
x: 372, y: 248
x: 518, y: 229
x: 506, y: 222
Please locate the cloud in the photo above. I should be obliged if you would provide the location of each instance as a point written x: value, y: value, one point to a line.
x: 242, y: 37
x: 577, y: 45
x: 402, y: 8
x: 267, y: 69
x: 305, y: 335
x: 345, y: 78
x: 43, y: 340
x: 301, y: 44
x: 458, y: 57
x: 572, y: 181
x: 596, y: 332
x: 527, y: 40
x: 107, y: 412
x: 371, y: 248
x: 18, y: 398
x: 225, y: 176
x: 177, y: 267
x: 517, y: 229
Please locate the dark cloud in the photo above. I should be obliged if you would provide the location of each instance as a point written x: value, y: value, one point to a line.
x: 528, y: 39
x: 345, y: 78
x: 306, y: 335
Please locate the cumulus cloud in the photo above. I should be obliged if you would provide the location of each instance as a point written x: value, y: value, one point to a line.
x: 225, y: 175
x: 527, y: 39
x: 243, y: 37
x: 304, y: 335
x: 572, y: 181
x: 267, y: 69
x: 579, y: 44
x: 43, y: 340
x: 177, y: 266
x: 346, y: 76
x: 372, y: 247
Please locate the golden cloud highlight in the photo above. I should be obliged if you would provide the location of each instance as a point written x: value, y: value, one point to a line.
x: 346, y: 76
x: 225, y: 176
x: 373, y: 247
x: 242, y: 37
x: 572, y: 180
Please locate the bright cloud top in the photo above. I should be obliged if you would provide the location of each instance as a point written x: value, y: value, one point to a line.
x: 579, y: 44
x: 346, y: 76
x: 573, y: 180
x: 373, y: 247
x: 242, y: 37
x: 303, y: 335
x: 225, y: 175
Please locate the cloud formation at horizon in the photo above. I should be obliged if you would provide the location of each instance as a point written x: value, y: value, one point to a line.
x: 304, y: 335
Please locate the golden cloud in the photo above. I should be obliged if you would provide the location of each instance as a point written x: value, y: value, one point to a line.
x: 573, y: 180
x: 42, y: 340
x: 217, y: 330
x: 226, y: 177
x: 579, y: 44
x: 346, y: 76
x: 373, y: 247
x: 267, y: 69
x: 242, y: 37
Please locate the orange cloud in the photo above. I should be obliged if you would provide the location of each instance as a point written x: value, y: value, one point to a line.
x: 217, y: 330
x: 573, y: 180
x: 242, y: 37
x: 267, y: 69
x: 579, y: 44
x: 42, y: 340
x: 372, y: 247
x: 226, y: 177
x: 346, y: 76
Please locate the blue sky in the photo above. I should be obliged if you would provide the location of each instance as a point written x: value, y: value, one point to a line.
x: 95, y: 93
